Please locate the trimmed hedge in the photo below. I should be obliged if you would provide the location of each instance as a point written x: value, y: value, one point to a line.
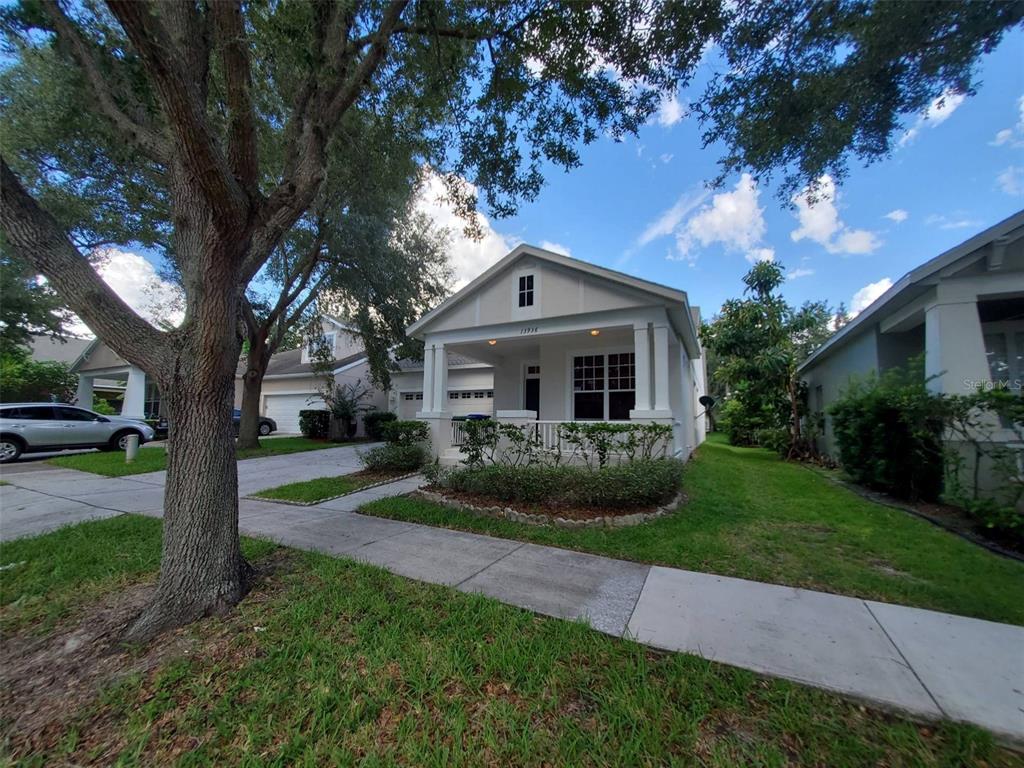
x: 634, y: 484
x: 315, y: 423
x: 396, y: 457
x: 374, y: 423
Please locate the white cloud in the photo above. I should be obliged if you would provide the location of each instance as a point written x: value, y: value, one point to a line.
x: 898, y: 215
x: 796, y: 274
x: 755, y: 255
x: 1011, y: 180
x: 867, y: 294
x: 732, y: 219
x: 1013, y: 136
x: 819, y: 221
x: 668, y: 221
x: 938, y: 112
x: 670, y: 111
x: 468, y: 257
x: 956, y: 220
x: 136, y: 281
x: 666, y: 158
x: 547, y: 245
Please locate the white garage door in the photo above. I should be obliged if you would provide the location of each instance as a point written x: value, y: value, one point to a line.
x: 409, y: 403
x: 460, y: 402
x: 284, y: 409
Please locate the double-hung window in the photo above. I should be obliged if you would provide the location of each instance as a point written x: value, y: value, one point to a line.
x: 604, y: 386
x: 526, y: 290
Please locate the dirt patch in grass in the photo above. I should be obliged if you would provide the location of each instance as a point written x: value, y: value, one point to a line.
x: 48, y: 683
x: 552, y: 509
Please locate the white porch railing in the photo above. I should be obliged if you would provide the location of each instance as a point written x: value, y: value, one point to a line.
x: 458, y: 432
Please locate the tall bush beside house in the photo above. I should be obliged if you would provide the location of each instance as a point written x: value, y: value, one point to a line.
x: 405, y: 450
x: 23, y: 379
x: 889, y: 430
x: 375, y: 421
x: 315, y: 423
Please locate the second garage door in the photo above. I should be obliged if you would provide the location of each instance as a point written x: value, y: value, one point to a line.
x: 460, y: 402
x: 284, y: 409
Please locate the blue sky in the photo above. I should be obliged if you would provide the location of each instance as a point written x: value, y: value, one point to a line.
x: 953, y: 176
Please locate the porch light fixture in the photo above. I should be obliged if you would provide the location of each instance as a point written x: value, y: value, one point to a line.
x: 595, y: 332
x: 492, y: 342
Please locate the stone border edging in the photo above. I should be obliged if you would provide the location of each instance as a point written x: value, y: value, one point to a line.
x: 331, y: 498
x: 515, y: 516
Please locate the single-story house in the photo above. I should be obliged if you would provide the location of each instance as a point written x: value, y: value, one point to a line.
x: 963, y: 310
x: 69, y: 350
x: 98, y: 366
x: 566, y: 341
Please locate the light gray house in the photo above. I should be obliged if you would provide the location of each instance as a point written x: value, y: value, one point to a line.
x: 963, y: 309
x: 566, y: 341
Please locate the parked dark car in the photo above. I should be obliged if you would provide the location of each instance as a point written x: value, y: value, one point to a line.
x: 266, y: 425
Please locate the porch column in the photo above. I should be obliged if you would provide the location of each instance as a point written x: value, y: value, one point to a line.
x: 428, y: 377
x: 134, y: 404
x: 440, y: 378
x: 642, y: 351
x: 954, y: 346
x: 83, y: 398
x: 435, y: 394
x: 661, y: 401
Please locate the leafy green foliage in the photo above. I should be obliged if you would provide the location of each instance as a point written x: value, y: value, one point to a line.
x: 346, y: 402
x: 375, y: 421
x: 398, y: 457
x: 30, y: 306
x: 759, y: 341
x: 636, y: 484
x: 889, y: 431
x: 487, y: 441
x: 805, y: 85
x: 408, y: 432
x: 23, y: 379
x: 314, y: 423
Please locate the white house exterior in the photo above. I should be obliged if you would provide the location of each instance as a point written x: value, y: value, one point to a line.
x: 963, y: 309
x: 566, y: 341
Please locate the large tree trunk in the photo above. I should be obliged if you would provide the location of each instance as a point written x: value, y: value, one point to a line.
x: 252, y: 389
x: 202, y: 571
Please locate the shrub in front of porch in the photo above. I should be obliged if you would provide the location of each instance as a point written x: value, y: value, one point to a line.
x: 404, y: 451
x: 630, y: 485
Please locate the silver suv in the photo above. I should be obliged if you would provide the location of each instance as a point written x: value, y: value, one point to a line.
x: 36, y: 427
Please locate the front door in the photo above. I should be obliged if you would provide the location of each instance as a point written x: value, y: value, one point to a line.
x: 532, y: 395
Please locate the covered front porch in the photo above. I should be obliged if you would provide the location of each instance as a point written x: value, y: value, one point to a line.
x: 616, y: 366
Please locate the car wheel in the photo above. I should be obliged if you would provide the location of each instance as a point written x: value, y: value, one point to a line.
x: 120, y: 440
x: 264, y: 428
x: 10, y: 450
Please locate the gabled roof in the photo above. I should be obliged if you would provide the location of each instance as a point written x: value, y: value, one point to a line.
x: 930, y: 268
x: 289, y: 363
x: 673, y: 295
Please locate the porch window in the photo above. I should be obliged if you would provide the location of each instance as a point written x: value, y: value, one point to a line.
x: 604, y: 387
x: 526, y: 291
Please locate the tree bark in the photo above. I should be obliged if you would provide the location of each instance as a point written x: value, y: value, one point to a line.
x: 202, y: 571
x: 257, y: 360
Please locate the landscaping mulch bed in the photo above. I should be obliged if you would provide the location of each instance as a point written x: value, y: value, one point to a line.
x: 551, y: 512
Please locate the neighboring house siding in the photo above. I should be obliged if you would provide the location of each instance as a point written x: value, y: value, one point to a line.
x: 827, y: 380
x: 100, y: 357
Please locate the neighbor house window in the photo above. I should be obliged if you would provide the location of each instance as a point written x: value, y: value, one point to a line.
x: 526, y: 291
x: 604, y: 387
x: 325, y: 343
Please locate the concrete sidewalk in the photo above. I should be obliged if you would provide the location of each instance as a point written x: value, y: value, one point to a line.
x: 928, y: 664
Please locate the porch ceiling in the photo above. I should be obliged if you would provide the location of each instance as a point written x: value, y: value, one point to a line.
x: 529, y: 347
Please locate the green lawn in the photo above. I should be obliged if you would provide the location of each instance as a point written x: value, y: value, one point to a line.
x: 321, y: 488
x: 753, y: 516
x: 329, y: 662
x: 154, y: 459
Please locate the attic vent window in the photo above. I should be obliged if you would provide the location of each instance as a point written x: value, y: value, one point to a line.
x: 526, y: 291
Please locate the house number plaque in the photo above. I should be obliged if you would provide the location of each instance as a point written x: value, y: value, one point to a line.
x: 528, y: 330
